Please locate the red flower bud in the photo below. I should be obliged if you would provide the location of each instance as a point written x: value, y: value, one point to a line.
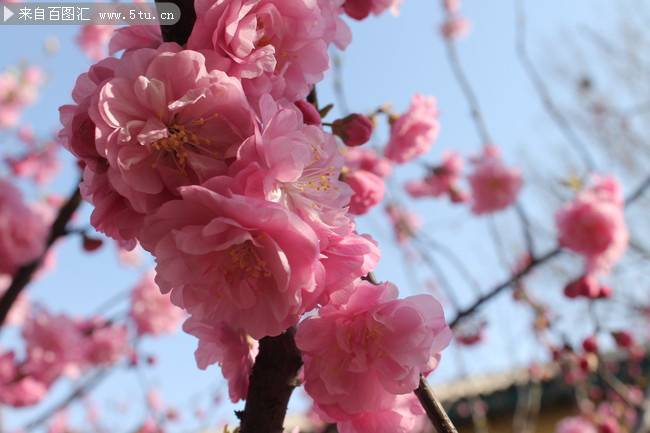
x: 623, y: 339
x: 358, y: 9
x: 354, y: 129
x: 310, y: 115
x: 91, y: 244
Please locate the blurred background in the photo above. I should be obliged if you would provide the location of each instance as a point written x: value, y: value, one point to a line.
x: 588, y: 68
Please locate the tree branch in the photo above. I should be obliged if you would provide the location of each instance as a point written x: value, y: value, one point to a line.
x: 433, y: 408
x: 24, y: 274
x: 179, y: 32
x: 271, y: 383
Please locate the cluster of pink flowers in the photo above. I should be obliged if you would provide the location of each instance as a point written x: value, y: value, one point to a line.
x: 494, y: 186
x: 593, y: 226
x: 365, y: 349
x: 208, y: 156
x: 18, y: 89
x: 38, y: 162
x: 93, y: 40
x: 442, y: 179
x: 151, y: 311
x: 22, y: 230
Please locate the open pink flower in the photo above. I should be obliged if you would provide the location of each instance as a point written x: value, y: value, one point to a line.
x: 413, y: 133
x: 105, y: 343
x: 405, y: 223
x: 165, y: 118
x: 494, y: 185
x: 593, y: 225
x: 359, y: 158
x: 93, y: 40
x: 362, y: 350
x: 233, y: 350
x: 296, y: 165
x: 368, y: 191
x: 248, y: 261
x: 405, y: 416
x: 152, y: 311
x: 282, y: 45
x: 22, y: 230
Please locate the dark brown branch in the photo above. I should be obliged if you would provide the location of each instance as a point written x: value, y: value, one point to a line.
x: 271, y: 383
x: 24, y: 274
x: 433, y: 408
x: 179, y: 32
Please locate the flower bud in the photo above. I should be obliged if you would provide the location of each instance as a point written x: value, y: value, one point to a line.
x: 623, y: 339
x: 590, y: 344
x: 358, y: 9
x: 310, y: 115
x: 354, y: 129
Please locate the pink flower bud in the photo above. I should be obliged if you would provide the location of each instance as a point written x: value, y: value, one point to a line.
x: 309, y: 113
x: 358, y: 9
x: 623, y: 339
x: 354, y: 129
x: 590, y: 344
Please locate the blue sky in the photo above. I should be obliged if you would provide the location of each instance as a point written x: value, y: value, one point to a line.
x: 389, y: 60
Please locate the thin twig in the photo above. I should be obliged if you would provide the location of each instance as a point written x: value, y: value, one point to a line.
x: 433, y: 408
x: 25, y: 273
x: 544, y: 94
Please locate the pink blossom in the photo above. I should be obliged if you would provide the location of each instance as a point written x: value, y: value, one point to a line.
x: 442, y: 179
x: 54, y: 345
x: 162, y: 119
x: 22, y: 230
x: 360, y: 9
x: 106, y: 343
x: 295, y: 165
x: 405, y: 223
x: 153, y: 312
x: 18, y: 89
x: 247, y: 261
x: 41, y: 165
x: 134, y: 37
x: 593, y: 225
x: 233, y: 350
x: 455, y: 27
x: 576, y: 424
x: 451, y: 6
x: 494, y: 185
x: 281, y: 45
x: 368, y: 190
x: 17, y: 389
x: 367, y: 159
x: 93, y: 40
x: 413, y: 133
x: 367, y: 346
x: 405, y: 416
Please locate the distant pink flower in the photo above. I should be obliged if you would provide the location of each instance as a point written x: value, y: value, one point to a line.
x: 363, y: 350
x: 58, y: 423
x: 443, y: 179
x: 153, y: 312
x: 593, y: 225
x: 281, y: 45
x: 576, y: 424
x: 54, y: 345
x: 413, y: 133
x: 41, y: 165
x: 368, y: 190
x: 455, y: 27
x: 22, y: 230
x: 494, y: 185
x: 106, y: 343
x: 18, y: 89
x: 360, y: 9
x: 93, y: 40
x: 17, y: 389
x: 367, y: 159
x: 405, y: 223
x: 451, y: 6
x: 234, y: 351
x: 247, y: 261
